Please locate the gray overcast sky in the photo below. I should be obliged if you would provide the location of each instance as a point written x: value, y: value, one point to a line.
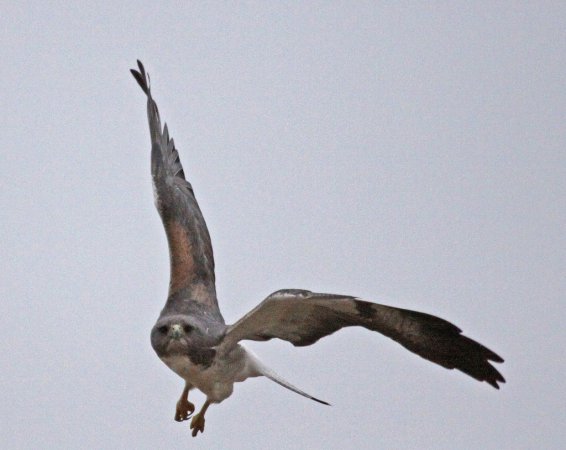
x: 410, y: 153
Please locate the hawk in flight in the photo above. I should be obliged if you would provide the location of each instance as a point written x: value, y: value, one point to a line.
x: 192, y: 339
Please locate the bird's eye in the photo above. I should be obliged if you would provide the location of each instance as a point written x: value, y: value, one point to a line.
x: 187, y: 328
x: 163, y: 329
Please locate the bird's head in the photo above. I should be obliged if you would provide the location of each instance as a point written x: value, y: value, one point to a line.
x: 174, y: 335
x: 187, y: 335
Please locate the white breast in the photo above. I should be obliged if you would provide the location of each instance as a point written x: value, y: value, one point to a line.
x: 216, y: 381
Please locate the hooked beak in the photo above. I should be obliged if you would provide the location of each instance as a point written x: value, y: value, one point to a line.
x: 176, y: 331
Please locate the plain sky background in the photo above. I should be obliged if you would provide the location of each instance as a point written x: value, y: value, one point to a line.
x: 410, y: 153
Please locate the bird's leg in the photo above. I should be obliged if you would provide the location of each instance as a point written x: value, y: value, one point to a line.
x: 197, y: 423
x: 184, y: 407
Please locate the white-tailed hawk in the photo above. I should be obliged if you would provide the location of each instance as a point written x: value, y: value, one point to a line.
x: 192, y: 338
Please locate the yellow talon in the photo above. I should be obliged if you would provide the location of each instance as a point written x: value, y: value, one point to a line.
x: 197, y: 422
x: 184, y: 410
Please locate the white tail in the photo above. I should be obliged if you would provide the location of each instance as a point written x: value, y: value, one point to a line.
x: 274, y: 377
x: 256, y: 368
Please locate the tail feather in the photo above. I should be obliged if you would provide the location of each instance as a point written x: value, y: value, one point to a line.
x: 256, y: 368
x: 274, y: 377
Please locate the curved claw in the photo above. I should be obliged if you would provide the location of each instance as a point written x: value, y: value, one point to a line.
x: 184, y: 411
x: 197, y: 424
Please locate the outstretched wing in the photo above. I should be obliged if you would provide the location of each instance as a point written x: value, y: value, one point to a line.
x: 303, y: 317
x: 190, y: 249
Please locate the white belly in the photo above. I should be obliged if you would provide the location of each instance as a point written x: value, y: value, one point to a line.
x: 216, y: 381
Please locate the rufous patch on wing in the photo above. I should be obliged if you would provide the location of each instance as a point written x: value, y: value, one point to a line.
x: 181, y: 255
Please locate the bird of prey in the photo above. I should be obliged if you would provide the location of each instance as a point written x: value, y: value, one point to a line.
x: 192, y: 339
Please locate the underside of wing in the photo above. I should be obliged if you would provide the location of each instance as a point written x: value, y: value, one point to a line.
x: 190, y: 249
x: 303, y: 317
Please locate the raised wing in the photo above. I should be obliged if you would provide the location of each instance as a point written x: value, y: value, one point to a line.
x: 190, y: 250
x: 303, y: 317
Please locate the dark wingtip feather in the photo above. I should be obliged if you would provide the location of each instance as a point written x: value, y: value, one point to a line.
x: 498, y: 378
x: 141, y: 77
x: 496, y: 358
x: 473, y: 359
x: 434, y: 339
x: 141, y: 67
x: 141, y: 81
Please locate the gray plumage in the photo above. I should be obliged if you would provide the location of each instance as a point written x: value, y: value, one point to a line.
x: 192, y: 338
